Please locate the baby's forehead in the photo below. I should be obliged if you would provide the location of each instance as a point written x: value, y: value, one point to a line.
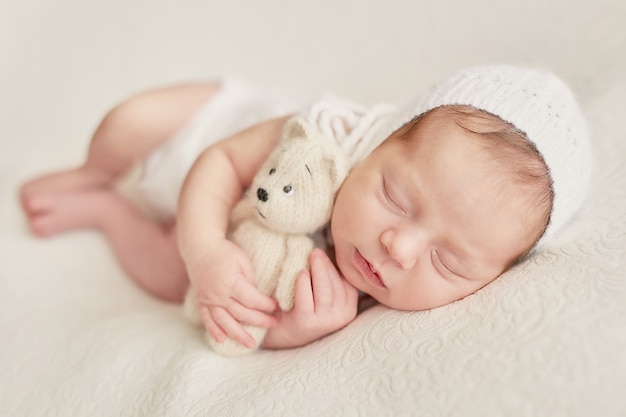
x: 443, y: 146
x: 489, y: 138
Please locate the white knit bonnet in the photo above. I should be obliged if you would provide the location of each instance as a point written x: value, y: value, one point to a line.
x: 536, y: 102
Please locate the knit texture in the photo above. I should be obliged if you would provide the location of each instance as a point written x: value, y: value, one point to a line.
x: 351, y: 125
x: 536, y: 102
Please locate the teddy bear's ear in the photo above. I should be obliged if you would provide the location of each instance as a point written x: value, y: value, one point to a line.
x: 337, y: 167
x: 297, y: 128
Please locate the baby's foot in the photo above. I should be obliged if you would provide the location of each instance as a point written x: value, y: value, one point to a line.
x: 59, y: 212
x: 34, y: 194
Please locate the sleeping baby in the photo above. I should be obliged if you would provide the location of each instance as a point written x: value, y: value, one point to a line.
x: 443, y: 195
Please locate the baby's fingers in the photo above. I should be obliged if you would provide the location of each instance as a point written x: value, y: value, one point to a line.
x: 231, y: 327
x: 252, y: 317
x: 350, y: 294
x: 209, y: 324
x: 323, y: 288
x: 247, y: 294
x: 342, y: 291
x: 303, y: 300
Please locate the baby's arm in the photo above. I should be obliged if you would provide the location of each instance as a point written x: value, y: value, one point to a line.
x: 324, y: 303
x: 219, y: 271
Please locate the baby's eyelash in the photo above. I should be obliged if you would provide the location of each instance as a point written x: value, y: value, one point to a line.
x: 437, y: 259
x: 450, y: 271
x: 391, y: 200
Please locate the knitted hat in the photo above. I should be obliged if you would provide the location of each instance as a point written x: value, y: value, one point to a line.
x: 535, y: 102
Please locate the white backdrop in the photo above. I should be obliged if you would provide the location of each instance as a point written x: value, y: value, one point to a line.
x: 65, y: 62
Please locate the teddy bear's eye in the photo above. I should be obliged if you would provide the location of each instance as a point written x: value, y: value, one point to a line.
x: 272, y: 171
x: 288, y: 189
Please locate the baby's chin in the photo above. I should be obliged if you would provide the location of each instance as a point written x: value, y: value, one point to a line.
x: 407, y: 305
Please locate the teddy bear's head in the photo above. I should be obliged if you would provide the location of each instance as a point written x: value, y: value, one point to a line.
x: 294, y: 190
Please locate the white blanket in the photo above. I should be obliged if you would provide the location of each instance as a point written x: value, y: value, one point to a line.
x: 79, y: 339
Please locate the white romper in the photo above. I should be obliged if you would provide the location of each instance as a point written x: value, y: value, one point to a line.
x: 236, y: 106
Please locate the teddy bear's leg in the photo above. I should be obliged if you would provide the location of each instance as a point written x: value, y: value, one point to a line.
x: 285, y: 292
x: 298, y: 250
x: 191, y: 308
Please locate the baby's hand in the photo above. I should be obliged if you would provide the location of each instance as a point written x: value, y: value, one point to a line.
x: 227, y: 295
x: 324, y: 303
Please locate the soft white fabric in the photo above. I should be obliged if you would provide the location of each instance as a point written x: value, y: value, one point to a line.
x: 234, y: 107
x: 237, y: 106
x: 355, y: 127
x: 79, y: 339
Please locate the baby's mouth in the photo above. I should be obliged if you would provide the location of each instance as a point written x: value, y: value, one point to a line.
x: 367, y: 270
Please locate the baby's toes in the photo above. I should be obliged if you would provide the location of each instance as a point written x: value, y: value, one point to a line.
x: 58, y: 213
x: 26, y: 195
x: 46, y: 216
x: 42, y: 224
x: 34, y: 203
x: 54, y: 221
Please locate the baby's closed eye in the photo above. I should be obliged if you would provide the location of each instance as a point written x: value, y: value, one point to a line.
x: 391, y: 200
x: 443, y: 267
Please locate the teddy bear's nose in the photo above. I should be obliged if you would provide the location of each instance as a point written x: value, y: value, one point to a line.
x: 262, y: 194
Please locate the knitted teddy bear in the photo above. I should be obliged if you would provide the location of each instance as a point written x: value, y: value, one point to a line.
x: 290, y: 198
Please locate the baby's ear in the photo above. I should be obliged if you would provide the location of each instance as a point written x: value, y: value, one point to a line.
x: 297, y: 128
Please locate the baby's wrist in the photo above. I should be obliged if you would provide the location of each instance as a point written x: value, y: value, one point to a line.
x: 195, y: 250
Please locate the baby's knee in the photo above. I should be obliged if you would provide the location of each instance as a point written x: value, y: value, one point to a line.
x: 127, y: 114
x: 160, y: 112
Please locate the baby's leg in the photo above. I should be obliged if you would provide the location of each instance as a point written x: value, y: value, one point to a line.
x: 127, y: 133
x: 146, y: 250
x: 82, y: 197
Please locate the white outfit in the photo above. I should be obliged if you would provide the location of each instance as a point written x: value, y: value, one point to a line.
x: 237, y: 106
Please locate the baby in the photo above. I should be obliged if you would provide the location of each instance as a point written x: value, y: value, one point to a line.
x: 444, y: 194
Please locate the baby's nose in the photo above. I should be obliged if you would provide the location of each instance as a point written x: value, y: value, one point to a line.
x: 403, y: 248
x: 262, y: 194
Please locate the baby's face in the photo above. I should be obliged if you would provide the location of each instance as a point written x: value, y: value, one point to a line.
x: 422, y: 223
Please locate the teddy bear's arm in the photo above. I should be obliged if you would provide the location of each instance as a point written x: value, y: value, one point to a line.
x: 296, y: 259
